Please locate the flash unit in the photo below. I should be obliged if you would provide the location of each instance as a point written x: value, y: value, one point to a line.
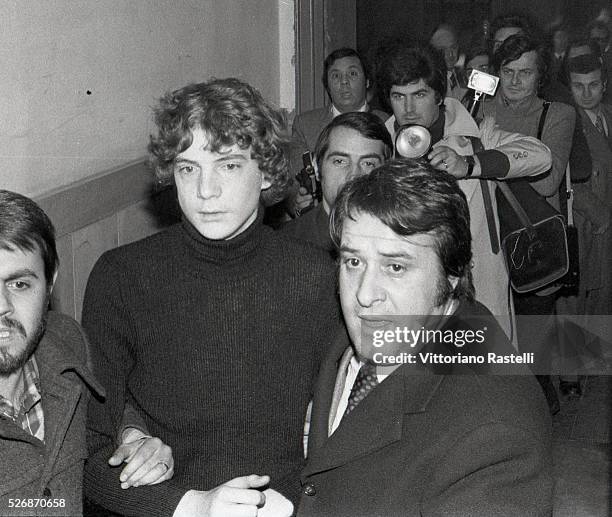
x: 412, y: 141
x: 482, y: 82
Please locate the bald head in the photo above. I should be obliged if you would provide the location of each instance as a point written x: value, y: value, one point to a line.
x: 445, y: 40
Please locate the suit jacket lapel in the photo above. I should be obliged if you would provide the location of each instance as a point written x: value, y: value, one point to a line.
x: 376, y: 422
x: 324, y: 391
x: 339, y: 386
x: 592, y: 132
x: 607, y: 113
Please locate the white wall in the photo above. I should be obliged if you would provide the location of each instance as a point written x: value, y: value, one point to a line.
x: 126, y: 53
x: 286, y: 58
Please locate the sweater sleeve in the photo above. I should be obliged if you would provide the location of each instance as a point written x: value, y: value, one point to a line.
x: 107, y: 323
x: 525, y: 155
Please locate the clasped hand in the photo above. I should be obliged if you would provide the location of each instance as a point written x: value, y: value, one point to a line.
x: 239, y: 497
x: 148, y: 460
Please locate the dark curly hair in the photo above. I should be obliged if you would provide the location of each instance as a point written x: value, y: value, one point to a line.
x: 230, y: 112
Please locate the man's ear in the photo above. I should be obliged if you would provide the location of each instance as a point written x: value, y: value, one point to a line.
x: 266, y: 182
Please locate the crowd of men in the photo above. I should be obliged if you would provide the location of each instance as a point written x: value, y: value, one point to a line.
x: 225, y: 368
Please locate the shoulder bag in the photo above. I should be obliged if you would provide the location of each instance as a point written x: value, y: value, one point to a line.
x: 533, y: 233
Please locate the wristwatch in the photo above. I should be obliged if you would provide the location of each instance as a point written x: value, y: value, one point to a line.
x: 469, y: 159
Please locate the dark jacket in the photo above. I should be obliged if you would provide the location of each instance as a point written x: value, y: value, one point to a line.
x: 312, y: 227
x: 431, y: 445
x: 50, y: 474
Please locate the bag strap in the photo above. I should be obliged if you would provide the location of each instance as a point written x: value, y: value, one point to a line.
x: 569, y: 194
x: 545, y: 106
x: 488, y: 204
x: 505, y: 189
x: 515, y: 204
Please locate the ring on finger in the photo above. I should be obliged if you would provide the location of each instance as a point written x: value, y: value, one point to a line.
x: 165, y: 465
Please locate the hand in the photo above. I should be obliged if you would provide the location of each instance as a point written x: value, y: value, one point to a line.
x: 149, y: 461
x: 446, y: 159
x: 302, y: 200
x: 277, y: 505
x: 237, y: 497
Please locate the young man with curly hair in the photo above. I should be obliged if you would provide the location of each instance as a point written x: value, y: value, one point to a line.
x: 206, y: 328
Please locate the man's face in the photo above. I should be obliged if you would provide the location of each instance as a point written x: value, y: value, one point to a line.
x: 218, y: 191
x: 383, y: 274
x: 414, y: 103
x: 349, y: 155
x: 587, y: 89
x: 23, y: 307
x: 480, y: 62
x: 347, y: 84
x: 519, y: 78
x: 503, y: 34
x: 446, y: 42
x: 600, y: 36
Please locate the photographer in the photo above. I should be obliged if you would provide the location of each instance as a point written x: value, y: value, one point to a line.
x: 414, y: 82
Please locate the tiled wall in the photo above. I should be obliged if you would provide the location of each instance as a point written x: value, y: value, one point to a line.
x: 93, y: 216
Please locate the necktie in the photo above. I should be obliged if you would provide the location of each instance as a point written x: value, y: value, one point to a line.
x: 453, y: 81
x: 365, y: 382
x: 599, y: 125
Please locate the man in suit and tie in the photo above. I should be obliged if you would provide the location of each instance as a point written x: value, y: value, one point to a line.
x: 346, y: 79
x: 412, y: 438
x: 592, y: 203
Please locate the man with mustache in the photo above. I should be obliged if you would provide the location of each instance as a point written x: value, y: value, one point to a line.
x: 45, y: 381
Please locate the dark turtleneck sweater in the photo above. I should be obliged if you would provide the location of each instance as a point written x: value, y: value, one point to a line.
x: 216, y: 344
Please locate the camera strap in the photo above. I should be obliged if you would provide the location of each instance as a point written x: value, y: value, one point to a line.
x: 486, y: 197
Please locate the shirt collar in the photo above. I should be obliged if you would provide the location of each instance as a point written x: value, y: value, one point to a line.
x: 335, y: 111
x: 31, y: 391
x: 593, y: 113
